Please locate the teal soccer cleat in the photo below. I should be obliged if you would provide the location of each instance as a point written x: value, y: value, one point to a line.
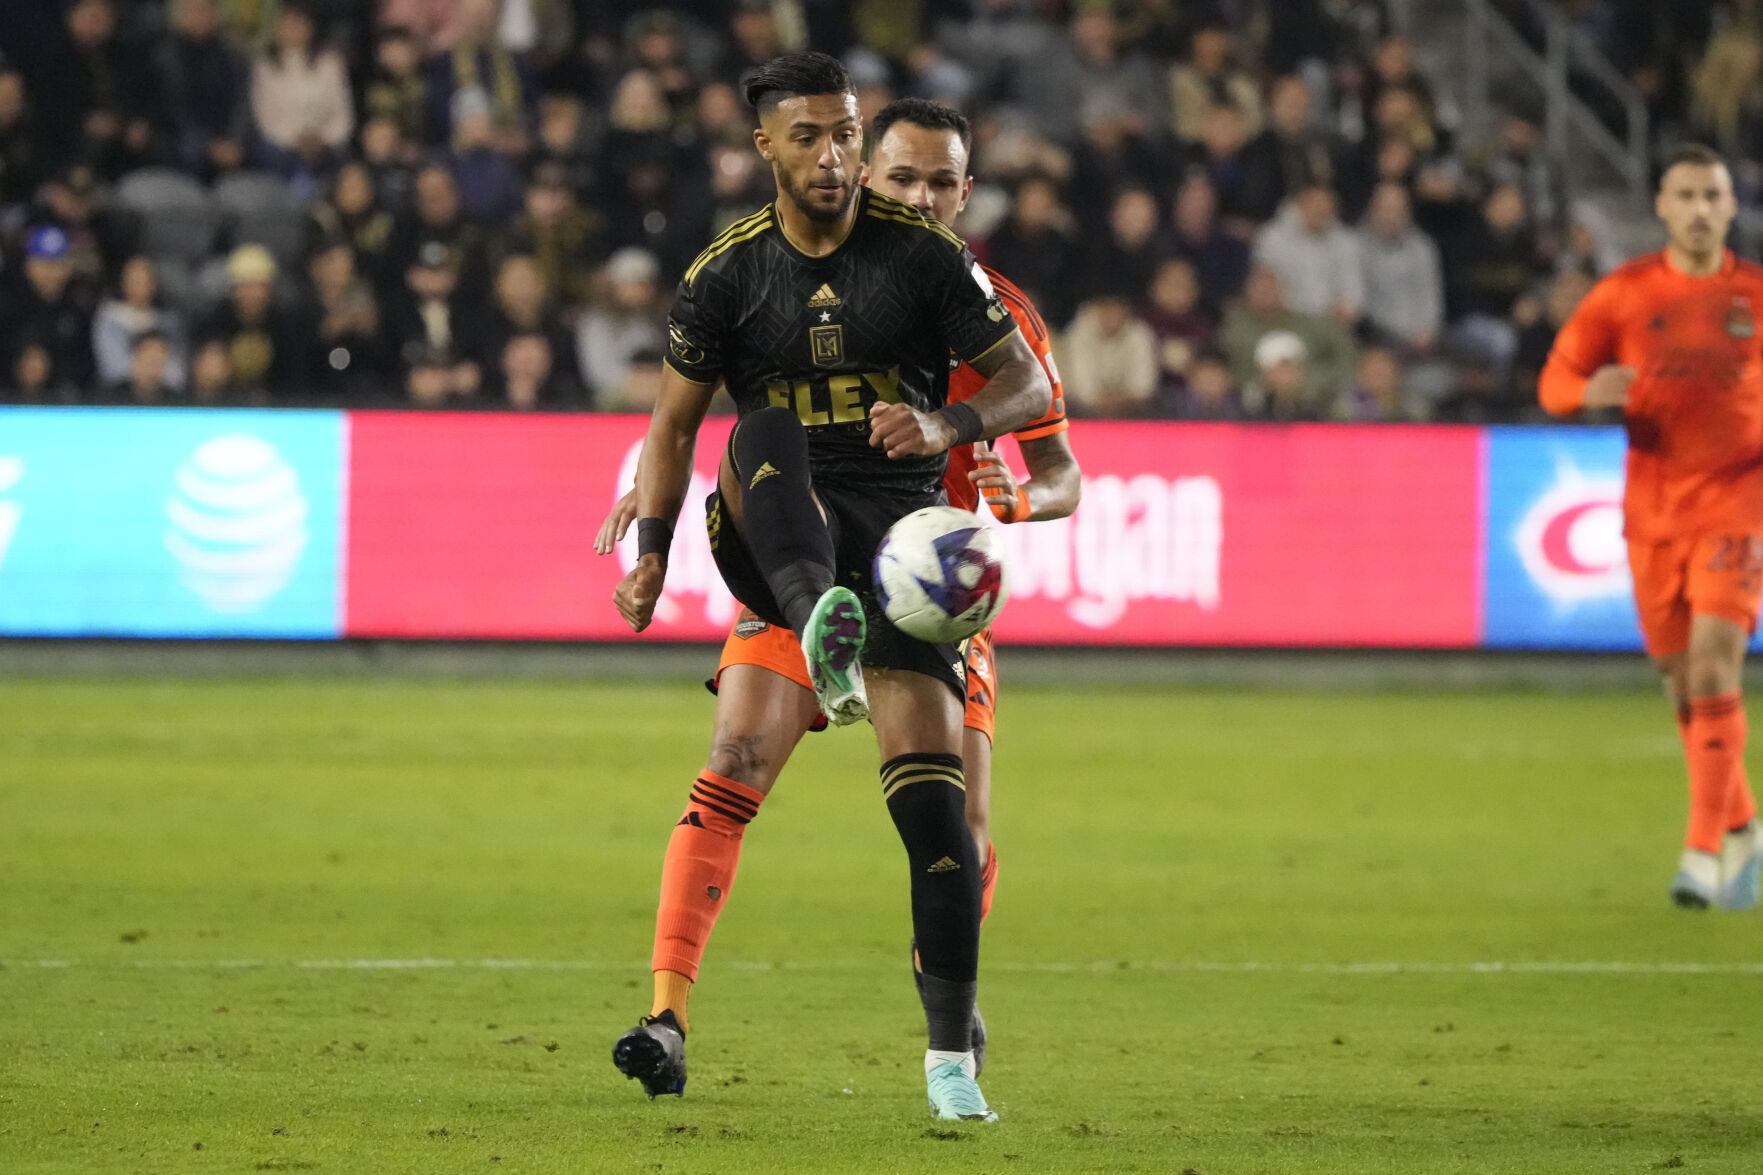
x: 1741, y: 869
x: 954, y: 1095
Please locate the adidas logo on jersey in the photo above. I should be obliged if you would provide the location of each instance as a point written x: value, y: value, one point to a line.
x: 824, y: 296
x: 765, y: 470
x: 947, y: 864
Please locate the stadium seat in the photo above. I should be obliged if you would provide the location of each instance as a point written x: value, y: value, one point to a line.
x: 178, y: 218
x: 259, y: 209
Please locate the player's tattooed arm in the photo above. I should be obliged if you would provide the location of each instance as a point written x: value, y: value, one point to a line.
x: 664, y: 473
x: 1016, y: 392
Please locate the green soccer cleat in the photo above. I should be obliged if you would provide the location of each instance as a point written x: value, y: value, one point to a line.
x: 654, y: 1052
x: 955, y: 1095
x: 832, y: 644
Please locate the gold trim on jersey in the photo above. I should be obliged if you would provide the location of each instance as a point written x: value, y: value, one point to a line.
x: 935, y: 226
x: 741, y: 230
x: 1016, y: 330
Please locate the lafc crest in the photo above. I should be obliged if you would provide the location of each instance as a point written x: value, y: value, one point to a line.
x: 827, y: 344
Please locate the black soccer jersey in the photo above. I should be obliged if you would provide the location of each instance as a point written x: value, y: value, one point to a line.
x: 875, y: 320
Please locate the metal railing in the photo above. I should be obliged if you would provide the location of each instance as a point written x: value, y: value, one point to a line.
x: 1568, y: 57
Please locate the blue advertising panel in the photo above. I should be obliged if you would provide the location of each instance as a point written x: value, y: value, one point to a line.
x: 1556, y: 562
x: 170, y: 523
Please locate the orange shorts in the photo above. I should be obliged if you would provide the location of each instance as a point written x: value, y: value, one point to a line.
x: 753, y: 641
x: 1700, y: 574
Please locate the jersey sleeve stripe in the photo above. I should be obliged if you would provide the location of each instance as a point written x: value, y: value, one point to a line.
x: 1023, y: 311
x: 1014, y: 331
x: 920, y: 222
x: 1035, y: 432
x: 693, y: 380
x: 735, y: 233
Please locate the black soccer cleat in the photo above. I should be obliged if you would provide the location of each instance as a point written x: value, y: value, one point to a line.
x: 654, y: 1052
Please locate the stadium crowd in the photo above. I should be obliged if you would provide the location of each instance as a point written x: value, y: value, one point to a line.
x: 1227, y: 210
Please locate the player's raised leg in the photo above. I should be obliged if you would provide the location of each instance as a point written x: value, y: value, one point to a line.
x: 918, y: 731
x: 767, y: 488
x: 760, y: 717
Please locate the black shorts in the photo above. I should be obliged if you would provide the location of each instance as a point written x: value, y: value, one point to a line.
x: 857, y: 522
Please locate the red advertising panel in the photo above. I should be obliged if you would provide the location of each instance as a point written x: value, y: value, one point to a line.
x: 1218, y: 534
x: 483, y: 526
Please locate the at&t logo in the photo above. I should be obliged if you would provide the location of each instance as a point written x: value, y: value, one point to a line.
x: 1570, y: 540
x: 236, y: 522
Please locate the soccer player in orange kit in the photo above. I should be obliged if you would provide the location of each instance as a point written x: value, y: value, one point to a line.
x: 1671, y: 339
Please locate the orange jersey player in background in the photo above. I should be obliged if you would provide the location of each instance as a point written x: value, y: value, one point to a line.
x: 1671, y: 339
x: 765, y: 702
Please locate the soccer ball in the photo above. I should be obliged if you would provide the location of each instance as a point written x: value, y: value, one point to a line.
x: 939, y: 573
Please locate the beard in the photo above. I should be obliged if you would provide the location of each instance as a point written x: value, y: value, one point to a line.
x: 802, y: 198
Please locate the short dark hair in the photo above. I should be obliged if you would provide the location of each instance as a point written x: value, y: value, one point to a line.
x: 1698, y: 154
x: 794, y: 75
x: 932, y: 116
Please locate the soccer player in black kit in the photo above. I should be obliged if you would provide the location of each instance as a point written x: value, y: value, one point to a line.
x: 831, y: 316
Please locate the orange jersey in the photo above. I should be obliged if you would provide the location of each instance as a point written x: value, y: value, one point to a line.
x: 1695, y: 408
x: 964, y: 381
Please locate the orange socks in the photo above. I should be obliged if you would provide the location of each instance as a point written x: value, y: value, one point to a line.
x: 1714, y: 745
x: 988, y: 880
x: 695, y: 878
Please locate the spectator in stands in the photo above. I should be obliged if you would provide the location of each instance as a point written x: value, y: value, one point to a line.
x: 147, y: 381
x: 98, y: 239
x: 642, y: 387
x: 753, y: 40
x: 266, y: 344
x: 1221, y: 259
x: 135, y: 308
x: 1518, y: 157
x: 353, y: 214
x: 23, y: 159
x: 1288, y: 156
x: 300, y: 98
x: 52, y: 307
x: 1328, y: 347
x: 527, y: 375
x: 1393, y: 67
x: 1375, y: 395
x: 478, y: 60
x: 1037, y: 247
x: 1726, y: 94
x: 1316, y: 257
x: 99, y: 99
x: 395, y: 91
x: 566, y: 239
x: 1180, y: 326
x: 523, y: 305
x: 1404, y: 282
x: 1537, y: 337
x: 390, y: 159
x: 489, y: 185
x: 1109, y: 359
x: 1210, y: 77
x: 564, y: 141
x: 1210, y: 391
x: 34, y: 379
x: 251, y: 23
x: 435, y: 215
x: 625, y: 321
x: 1114, y: 154
x: 1134, y: 245
x: 348, y: 361
x: 438, y: 319
x: 211, y: 375
x: 657, y: 49
x: 433, y: 23
x: 1492, y: 264
x: 207, y: 87
x: 434, y: 376
x: 1283, y: 387
x: 1088, y: 63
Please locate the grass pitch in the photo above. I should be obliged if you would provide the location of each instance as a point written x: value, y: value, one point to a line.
x: 395, y: 926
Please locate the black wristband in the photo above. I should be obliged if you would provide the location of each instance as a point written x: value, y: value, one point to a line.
x: 654, y: 537
x: 964, y: 420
